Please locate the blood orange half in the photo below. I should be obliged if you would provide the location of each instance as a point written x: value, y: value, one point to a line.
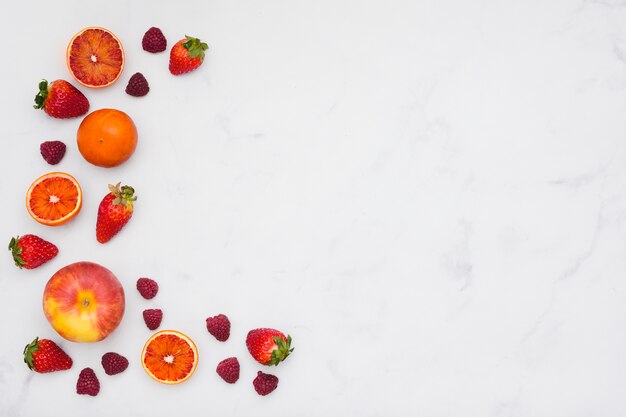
x: 95, y: 57
x: 54, y: 198
x: 169, y: 357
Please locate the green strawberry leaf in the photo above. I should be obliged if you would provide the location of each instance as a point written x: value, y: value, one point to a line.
x: 16, y: 251
x: 41, y: 96
x: 124, y: 196
x: 195, y: 47
x: 31, y: 348
x: 282, y: 350
x: 128, y: 194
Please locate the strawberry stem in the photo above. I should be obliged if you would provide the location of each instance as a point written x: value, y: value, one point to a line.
x: 124, y: 195
x: 31, y: 348
x: 16, y: 251
x: 41, y: 96
x: 282, y: 351
x: 195, y: 47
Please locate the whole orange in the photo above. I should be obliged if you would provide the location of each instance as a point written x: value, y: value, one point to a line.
x: 107, y: 137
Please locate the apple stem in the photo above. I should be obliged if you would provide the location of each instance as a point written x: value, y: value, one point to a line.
x: 86, y: 302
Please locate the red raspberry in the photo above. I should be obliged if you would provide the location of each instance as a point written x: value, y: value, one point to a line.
x: 265, y: 383
x: 153, y: 318
x: 88, y: 383
x: 114, y: 363
x: 228, y: 369
x: 154, y: 41
x: 137, y: 85
x: 219, y: 327
x: 147, y: 287
x: 52, y: 151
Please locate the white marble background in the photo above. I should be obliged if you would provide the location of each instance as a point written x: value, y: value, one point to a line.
x: 427, y: 195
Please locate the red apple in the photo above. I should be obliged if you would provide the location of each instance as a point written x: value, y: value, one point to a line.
x: 84, y: 302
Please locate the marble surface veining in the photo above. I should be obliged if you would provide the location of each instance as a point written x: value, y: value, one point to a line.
x: 429, y: 196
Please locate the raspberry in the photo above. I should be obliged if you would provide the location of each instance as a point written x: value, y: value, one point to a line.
x: 52, y: 151
x: 265, y: 383
x: 153, y: 318
x: 154, y: 41
x: 147, y: 287
x: 219, y: 327
x: 228, y: 369
x: 114, y: 363
x: 137, y: 85
x: 88, y: 383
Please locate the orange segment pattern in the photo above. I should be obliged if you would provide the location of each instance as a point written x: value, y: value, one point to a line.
x: 95, y: 57
x: 53, y: 198
x: 169, y: 358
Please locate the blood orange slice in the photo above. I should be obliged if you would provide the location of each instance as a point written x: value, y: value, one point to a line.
x: 95, y: 57
x: 169, y: 357
x: 54, y: 198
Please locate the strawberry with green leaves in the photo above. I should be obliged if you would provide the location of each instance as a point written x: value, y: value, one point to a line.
x: 45, y: 356
x: 115, y: 210
x: 30, y: 251
x: 61, y: 99
x: 187, y: 55
x: 268, y: 346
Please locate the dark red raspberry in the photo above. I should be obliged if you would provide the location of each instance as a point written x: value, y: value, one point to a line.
x: 265, y: 383
x: 228, y: 369
x: 137, y: 85
x: 114, y: 363
x: 147, y: 287
x: 219, y: 326
x: 88, y: 383
x: 154, y: 41
x: 153, y: 318
x: 52, y: 151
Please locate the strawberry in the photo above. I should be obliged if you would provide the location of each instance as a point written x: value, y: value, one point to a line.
x: 61, y: 99
x: 30, y: 251
x: 187, y: 55
x: 115, y: 210
x: 46, y: 356
x: 268, y: 346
